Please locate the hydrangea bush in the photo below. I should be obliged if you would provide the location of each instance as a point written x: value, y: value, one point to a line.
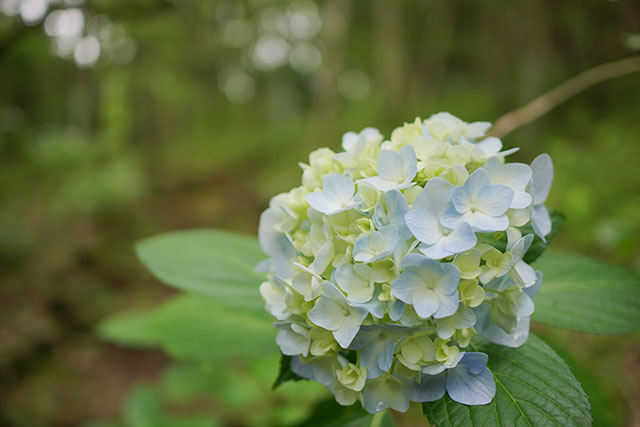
x: 400, y: 270
x: 390, y: 258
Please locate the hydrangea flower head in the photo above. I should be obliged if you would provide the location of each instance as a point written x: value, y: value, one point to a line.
x: 386, y: 263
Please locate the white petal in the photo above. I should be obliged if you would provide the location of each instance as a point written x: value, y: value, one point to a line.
x: 484, y: 223
x: 541, y: 221
x: 521, y: 200
x: 447, y: 305
x: 424, y: 226
x: 490, y: 146
x: 340, y: 186
x: 494, y: 200
x: 435, y: 196
x: 461, y: 199
x: 476, y: 180
x: 435, y: 251
x: 462, y: 238
x: 327, y: 314
x: 542, y: 168
x: 380, y: 183
x: 406, y: 286
x: 324, y: 202
x: 426, y: 302
x: 390, y: 166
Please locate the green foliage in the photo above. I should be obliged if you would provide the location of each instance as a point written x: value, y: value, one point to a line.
x: 534, y: 387
x: 587, y: 295
x: 285, y: 373
x: 329, y: 413
x: 144, y: 409
x: 212, y: 263
x: 190, y: 327
x: 538, y: 245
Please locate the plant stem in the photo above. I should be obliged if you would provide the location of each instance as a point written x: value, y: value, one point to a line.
x: 546, y: 102
x: 376, y: 421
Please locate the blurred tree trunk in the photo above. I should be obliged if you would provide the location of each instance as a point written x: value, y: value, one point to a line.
x: 388, y: 54
x: 336, y: 15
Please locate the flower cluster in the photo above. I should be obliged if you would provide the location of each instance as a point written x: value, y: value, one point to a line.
x: 393, y: 254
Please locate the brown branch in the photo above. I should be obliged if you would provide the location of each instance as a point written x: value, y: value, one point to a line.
x: 543, y: 104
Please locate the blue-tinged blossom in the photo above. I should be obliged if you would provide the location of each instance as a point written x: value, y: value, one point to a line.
x: 389, y: 259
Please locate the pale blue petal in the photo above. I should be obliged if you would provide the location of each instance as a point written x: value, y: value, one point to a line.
x: 424, y: 226
x: 410, y: 163
x: 475, y: 362
x: 348, y: 330
x: 435, y: 251
x: 533, y: 290
x: 449, y: 278
x: 494, y: 200
x: 461, y: 199
x: 324, y: 202
x: 426, y: 303
x: 390, y: 165
x: 385, y: 392
x: 478, y: 179
x: 391, y: 210
x: 324, y: 368
x: 380, y: 183
x: 435, y: 196
x: 327, y: 314
x: 301, y: 369
x: 376, y: 347
x: 396, y: 309
x: 490, y: 146
x: 291, y: 343
x: 521, y: 200
x: 483, y: 223
x: 495, y: 333
x: 470, y: 389
x: 430, y: 388
x: 450, y: 217
x: 523, y: 274
x: 461, y: 239
x: 407, y: 285
x: 525, y: 305
x: 447, y: 305
x: 340, y: 186
x: 541, y: 221
x: 542, y: 168
x: 273, y: 241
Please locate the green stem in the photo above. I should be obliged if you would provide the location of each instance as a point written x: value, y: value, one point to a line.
x: 376, y: 421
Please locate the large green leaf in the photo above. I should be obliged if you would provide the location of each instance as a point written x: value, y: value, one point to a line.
x: 587, y: 295
x: 534, y: 387
x: 191, y: 327
x: 211, y: 263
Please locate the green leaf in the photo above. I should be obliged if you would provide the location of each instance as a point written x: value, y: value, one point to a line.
x: 586, y: 295
x: 538, y: 245
x: 212, y: 263
x: 144, y: 409
x: 329, y: 413
x: 285, y: 373
x: 190, y: 327
x: 534, y: 387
